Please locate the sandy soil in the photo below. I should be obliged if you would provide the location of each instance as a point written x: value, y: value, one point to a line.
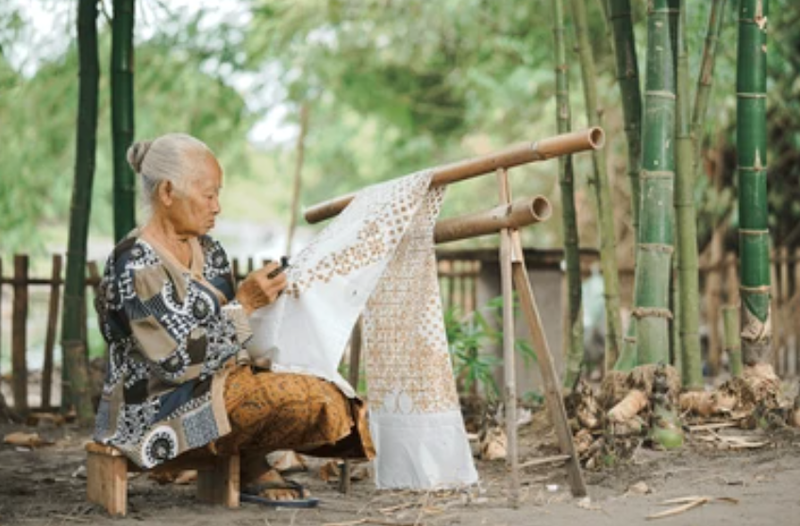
x: 43, y: 486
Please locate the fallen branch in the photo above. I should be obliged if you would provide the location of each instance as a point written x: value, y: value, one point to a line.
x: 545, y: 460
x: 687, y: 504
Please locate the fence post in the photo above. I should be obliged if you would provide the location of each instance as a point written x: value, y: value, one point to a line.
x: 52, y: 326
x: 19, y: 339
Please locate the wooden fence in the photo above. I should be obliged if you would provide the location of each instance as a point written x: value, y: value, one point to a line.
x: 458, y: 278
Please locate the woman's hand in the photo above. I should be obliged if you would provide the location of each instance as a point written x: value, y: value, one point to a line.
x: 258, y: 289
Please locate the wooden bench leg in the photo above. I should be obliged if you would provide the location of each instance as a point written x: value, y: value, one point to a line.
x: 219, y: 482
x: 107, y: 479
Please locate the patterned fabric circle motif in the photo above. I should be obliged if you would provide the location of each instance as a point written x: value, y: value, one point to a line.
x: 159, y: 446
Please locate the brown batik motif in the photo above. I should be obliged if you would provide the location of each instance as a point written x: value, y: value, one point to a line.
x: 270, y: 411
x: 410, y: 370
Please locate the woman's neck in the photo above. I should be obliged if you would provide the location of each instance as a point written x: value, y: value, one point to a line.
x: 164, y: 233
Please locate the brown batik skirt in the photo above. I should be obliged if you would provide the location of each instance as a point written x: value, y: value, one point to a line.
x: 270, y: 411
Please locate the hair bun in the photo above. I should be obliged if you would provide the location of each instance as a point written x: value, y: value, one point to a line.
x: 136, y: 154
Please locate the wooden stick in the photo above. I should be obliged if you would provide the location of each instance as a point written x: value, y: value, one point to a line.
x: 352, y: 374
x: 542, y: 461
x: 52, y: 325
x: 509, y: 370
x: 1, y: 320
x: 552, y: 391
x: 19, y: 344
x: 528, y: 152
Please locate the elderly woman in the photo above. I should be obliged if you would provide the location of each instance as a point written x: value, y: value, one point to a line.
x: 179, y: 376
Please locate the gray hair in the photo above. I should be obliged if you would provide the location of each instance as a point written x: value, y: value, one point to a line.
x: 170, y: 157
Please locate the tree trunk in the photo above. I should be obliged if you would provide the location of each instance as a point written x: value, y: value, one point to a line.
x: 605, y: 208
x: 122, y: 118
x: 298, y: 173
x: 654, y: 246
x: 751, y: 147
x: 565, y: 176
x: 706, y: 76
x: 73, y: 324
x: 686, y: 222
x: 631, y: 93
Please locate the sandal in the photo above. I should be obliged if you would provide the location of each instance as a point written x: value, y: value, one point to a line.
x: 252, y: 493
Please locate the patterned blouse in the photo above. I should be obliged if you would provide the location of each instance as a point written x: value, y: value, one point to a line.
x: 170, y: 331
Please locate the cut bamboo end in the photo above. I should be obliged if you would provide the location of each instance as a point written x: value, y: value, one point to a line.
x: 520, y: 213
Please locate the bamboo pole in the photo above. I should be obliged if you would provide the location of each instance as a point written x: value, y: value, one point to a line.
x: 631, y: 94
x: 52, y: 326
x: 573, y: 343
x: 688, y: 313
x: 509, y: 363
x: 524, y: 153
x: 733, y: 345
x: 553, y: 398
x: 655, y: 242
x: 706, y: 76
x: 300, y: 148
x: 522, y: 212
x: 751, y: 147
x: 19, y: 341
x: 122, y: 115
x: 1, y: 322
x: 76, y: 371
x: 604, y: 207
x: 352, y: 376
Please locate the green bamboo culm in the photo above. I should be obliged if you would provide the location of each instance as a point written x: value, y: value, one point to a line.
x: 566, y: 181
x: 73, y: 332
x: 654, y: 244
x: 688, y: 314
x: 122, y: 120
x: 631, y: 93
x: 751, y: 148
x: 605, y: 208
x: 706, y: 76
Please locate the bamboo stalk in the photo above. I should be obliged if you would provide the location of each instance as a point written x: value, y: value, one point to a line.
x: 604, y: 207
x: 574, y: 310
x: 73, y: 330
x: 19, y: 341
x: 686, y: 222
x: 751, y: 142
x: 706, y: 76
x: 122, y: 115
x: 520, y: 213
x: 300, y: 148
x: 654, y: 247
x: 733, y: 345
x: 524, y: 153
x: 631, y: 94
x: 52, y: 326
x: 509, y: 365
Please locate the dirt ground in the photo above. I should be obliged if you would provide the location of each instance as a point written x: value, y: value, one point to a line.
x: 45, y: 486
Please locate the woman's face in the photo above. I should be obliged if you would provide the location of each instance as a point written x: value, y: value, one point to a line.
x: 195, y: 206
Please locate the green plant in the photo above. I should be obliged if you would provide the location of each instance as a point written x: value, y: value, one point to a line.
x: 468, y: 334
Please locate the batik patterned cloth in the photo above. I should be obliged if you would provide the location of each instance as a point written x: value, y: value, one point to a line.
x: 379, y: 249
x: 170, y: 330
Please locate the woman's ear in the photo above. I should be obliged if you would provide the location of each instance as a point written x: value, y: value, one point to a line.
x: 166, y: 193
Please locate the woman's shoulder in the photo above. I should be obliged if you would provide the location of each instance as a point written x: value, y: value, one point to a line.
x: 133, y: 251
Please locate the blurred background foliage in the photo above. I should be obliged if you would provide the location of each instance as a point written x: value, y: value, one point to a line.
x: 392, y: 86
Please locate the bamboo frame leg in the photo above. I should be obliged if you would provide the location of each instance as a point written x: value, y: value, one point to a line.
x: 555, y: 402
x: 509, y: 367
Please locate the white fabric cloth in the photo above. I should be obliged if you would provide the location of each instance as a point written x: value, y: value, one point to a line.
x: 377, y: 259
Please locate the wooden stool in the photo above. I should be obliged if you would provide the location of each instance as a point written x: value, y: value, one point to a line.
x: 107, y: 478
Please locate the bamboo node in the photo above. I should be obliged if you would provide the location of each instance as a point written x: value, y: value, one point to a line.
x: 753, y: 232
x: 762, y: 289
x: 657, y: 174
x: 660, y: 94
x: 651, y: 312
x: 656, y: 247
